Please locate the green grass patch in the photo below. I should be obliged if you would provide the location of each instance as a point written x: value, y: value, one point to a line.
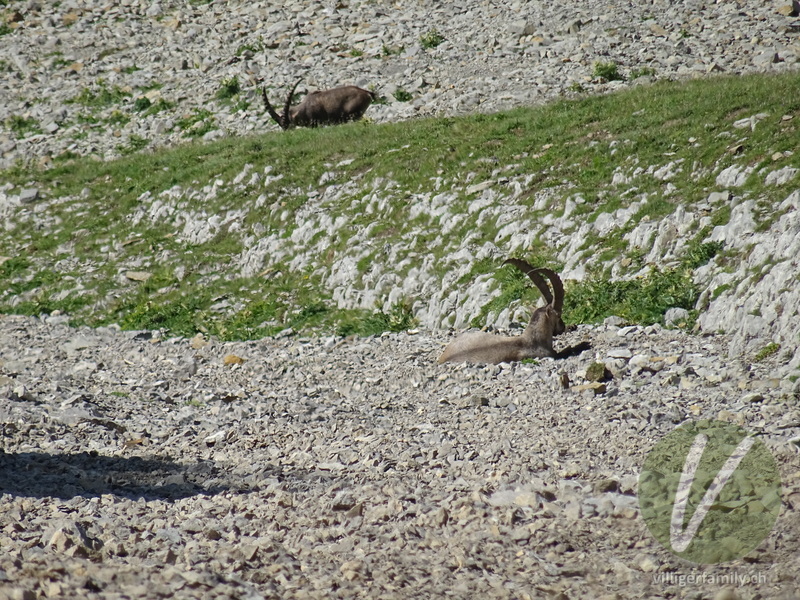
x: 643, y: 300
x: 228, y: 89
x: 196, y: 124
x: 608, y: 71
x: 567, y: 147
x: 431, y: 39
x: 402, y: 95
x: 767, y: 351
x: 23, y: 126
x: 100, y: 96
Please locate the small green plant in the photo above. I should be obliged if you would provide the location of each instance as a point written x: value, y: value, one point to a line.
x: 59, y: 63
x: 401, y: 95
x: 118, y: 118
x: 698, y: 254
x: 135, y: 143
x: 131, y: 69
x: 5, y: 29
x: 431, y: 38
x: 576, y: 88
x: 13, y: 267
x: 391, y: 50
x: 23, y: 126
x: 607, y: 71
x: 142, y: 103
x: 356, y: 52
x: 100, y: 97
x: 719, y: 290
x: 251, y: 48
x: 766, y: 352
x: 643, y: 72
x: 196, y: 124
x: 158, y: 106
x: 228, y: 89
x: 398, y: 318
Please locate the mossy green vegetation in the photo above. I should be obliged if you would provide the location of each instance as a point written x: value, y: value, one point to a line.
x: 767, y: 351
x: 101, y: 219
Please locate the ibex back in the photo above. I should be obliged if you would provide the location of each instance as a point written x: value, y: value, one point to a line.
x: 328, y: 107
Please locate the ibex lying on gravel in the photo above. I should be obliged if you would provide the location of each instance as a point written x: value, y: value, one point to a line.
x: 535, y: 342
x: 328, y: 107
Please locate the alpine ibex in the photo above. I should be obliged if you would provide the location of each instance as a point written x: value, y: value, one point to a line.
x: 328, y: 107
x: 535, y: 342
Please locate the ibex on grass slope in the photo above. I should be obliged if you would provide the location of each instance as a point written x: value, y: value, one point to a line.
x: 535, y: 342
x: 328, y: 107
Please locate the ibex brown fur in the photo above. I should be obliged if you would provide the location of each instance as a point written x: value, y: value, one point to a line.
x: 328, y: 107
x: 535, y: 342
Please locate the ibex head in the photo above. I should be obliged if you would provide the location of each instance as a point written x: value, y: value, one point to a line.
x: 339, y: 105
x: 537, y: 339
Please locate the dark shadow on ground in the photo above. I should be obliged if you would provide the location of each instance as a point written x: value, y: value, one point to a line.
x: 573, y: 350
x: 40, y: 474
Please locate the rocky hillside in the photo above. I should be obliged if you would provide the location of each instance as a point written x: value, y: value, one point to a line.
x: 146, y: 454
x: 94, y: 78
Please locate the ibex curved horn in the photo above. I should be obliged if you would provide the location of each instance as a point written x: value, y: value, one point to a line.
x: 533, y: 274
x: 558, y: 288
x: 287, y: 118
x: 282, y: 122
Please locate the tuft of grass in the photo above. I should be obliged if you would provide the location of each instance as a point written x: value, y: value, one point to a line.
x: 23, y: 126
x: 252, y: 48
x: 766, y: 352
x: 228, y: 89
x: 607, y: 71
x: 142, y: 103
x: 118, y: 118
x: 698, y: 254
x: 135, y: 143
x: 402, y: 96
x: 431, y: 38
x: 100, y: 96
x: 643, y: 72
x: 196, y: 124
x: 391, y: 50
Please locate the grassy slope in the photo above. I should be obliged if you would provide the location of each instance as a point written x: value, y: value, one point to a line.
x: 72, y: 256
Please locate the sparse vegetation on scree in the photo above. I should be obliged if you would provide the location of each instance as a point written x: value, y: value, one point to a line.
x: 83, y: 253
